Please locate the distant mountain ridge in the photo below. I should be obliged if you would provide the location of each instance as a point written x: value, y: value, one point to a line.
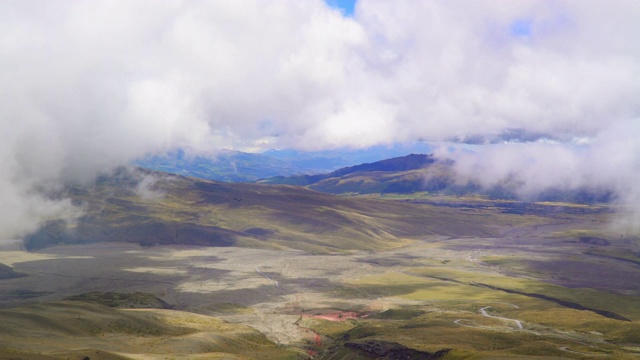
x: 402, y: 174
x: 238, y: 166
x: 424, y: 173
x: 314, y: 162
x: 224, y: 165
x: 397, y: 164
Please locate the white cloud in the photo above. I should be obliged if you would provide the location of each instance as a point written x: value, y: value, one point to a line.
x: 607, y: 162
x: 88, y: 85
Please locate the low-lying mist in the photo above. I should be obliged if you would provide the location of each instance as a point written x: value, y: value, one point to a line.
x: 609, y: 162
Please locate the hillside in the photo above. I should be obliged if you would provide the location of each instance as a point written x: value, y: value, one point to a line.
x: 80, y: 330
x: 423, y: 173
x: 180, y: 210
x: 368, y: 177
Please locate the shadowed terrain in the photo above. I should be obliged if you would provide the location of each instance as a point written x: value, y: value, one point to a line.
x: 181, y: 210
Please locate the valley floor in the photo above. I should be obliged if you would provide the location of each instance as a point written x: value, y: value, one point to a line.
x: 538, y: 290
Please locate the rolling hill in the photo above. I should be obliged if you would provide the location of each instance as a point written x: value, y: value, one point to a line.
x: 181, y: 210
x: 82, y: 330
x: 405, y: 174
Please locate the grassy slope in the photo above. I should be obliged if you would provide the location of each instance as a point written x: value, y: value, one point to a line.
x: 548, y: 328
x: 73, y: 329
x: 450, y: 292
x: 200, y: 212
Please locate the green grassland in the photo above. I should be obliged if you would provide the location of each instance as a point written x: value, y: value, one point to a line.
x: 77, y: 329
x: 453, y: 295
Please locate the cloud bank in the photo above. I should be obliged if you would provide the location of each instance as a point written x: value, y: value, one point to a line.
x: 90, y: 85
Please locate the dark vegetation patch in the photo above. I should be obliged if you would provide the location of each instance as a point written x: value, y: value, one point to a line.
x: 592, y: 240
x: 22, y: 294
x: 519, y: 207
x: 7, y: 272
x: 569, y: 304
x: 627, y: 256
x: 146, y: 232
x: 390, y: 260
x: 378, y: 349
x: 259, y: 232
x: 137, y: 300
x: 612, y: 276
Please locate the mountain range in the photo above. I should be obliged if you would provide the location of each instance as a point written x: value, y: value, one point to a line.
x: 238, y: 166
x: 424, y: 173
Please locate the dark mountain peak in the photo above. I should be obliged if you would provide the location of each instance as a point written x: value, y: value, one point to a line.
x: 394, y: 165
x: 401, y: 163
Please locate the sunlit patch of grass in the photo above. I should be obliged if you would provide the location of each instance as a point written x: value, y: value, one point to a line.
x: 566, y: 204
x: 583, y: 322
x: 457, y: 294
x: 228, y: 308
x: 332, y: 329
x: 416, y: 287
x: 576, y: 233
x: 625, y: 305
x: 399, y: 314
x: 54, y: 328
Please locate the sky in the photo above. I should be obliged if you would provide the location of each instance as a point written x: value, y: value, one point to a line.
x: 547, y: 91
x: 347, y: 7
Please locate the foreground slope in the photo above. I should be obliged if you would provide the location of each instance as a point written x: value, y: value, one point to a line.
x: 79, y: 330
x: 180, y: 210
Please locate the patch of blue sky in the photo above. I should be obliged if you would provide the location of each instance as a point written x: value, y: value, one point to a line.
x: 347, y: 7
x: 521, y: 28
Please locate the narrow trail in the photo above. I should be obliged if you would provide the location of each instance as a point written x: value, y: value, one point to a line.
x: 277, y: 284
x: 483, y: 311
x: 566, y: 348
